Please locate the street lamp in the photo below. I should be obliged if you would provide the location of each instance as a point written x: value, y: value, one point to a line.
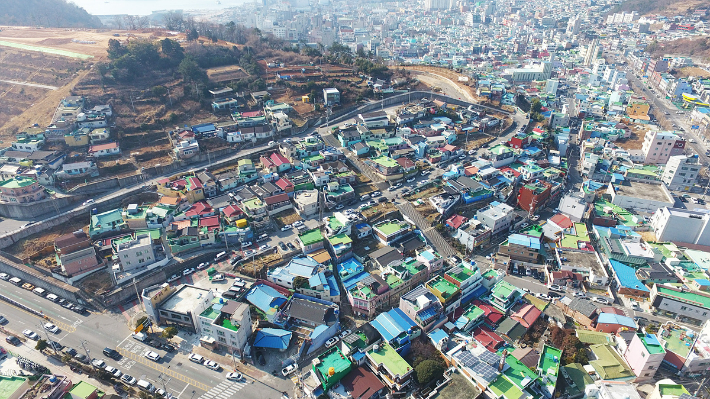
x: 47, y: 335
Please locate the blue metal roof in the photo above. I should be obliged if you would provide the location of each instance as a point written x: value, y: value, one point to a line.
x: 627, y: 276
x: 524, y: 240
x: 273, y: 338
x: 392, y: 324
x: 265, y: 298
x: 437, y: 335
x: 613, y: 318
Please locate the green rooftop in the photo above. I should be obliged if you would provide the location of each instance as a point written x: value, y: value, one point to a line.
x: 473, y: 313
x: 672, y: 389
x: 609, y: 365
x: 442, y: 288
x: 519, y: 373
x: 505, y: 388
x: 253, y: 203
x: 690, y: 297
x: 363, y: 292
x: 341, y: 190
x: 335, y: 359
x: 594, y: 337
x: 674, y: 343
x: 549, y: 362
x: 83, y: 389
x: 393, y: 281
x: 460, y: 274
x: 387, y: 162
x: 503, y: 290
x: 572, y: 239
x: 390, y: 227
x: 388, y: 357
x: 653, y: 346
x: 334, y: 223
x: 579, y: 376
x: 210, y: 313
x: 311, y: 237
x: 17, y: 182
x: 10, y: 385
x: 226, y: 323
x: 340, y: 239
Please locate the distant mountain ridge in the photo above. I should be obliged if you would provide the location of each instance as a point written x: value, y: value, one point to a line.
x: 47, y: 13
x: 664, y: 7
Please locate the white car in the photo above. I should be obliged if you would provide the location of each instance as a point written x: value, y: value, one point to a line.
x: 411, y: 179
x: 376, y: 194
x: 203, y: 265
x: 189, y: 271
x: 113, y: 371
x: 31, y: 335
x: 150, y: 355
x: 98, y: 363
x: 272, y: 143
x: 344, y: 334
x: 51, y: 328
x: 212, y: 365
x: 195, y: 358
x: 472, y: 152
x: 286, y: 228
x: 555, y: 287
x: 264, y: 247
x: 233, y: 376
x: 246, y: 244
x: 543, y: 296
x: 331, y: 342
x: 297, y: 223
x: 89, y: 201
x: 601, y: 300
x: 174, y: 277
x: 218, y: 277
x: 391, y: 188
x: 127, y: 379
x: 4, y: 276
x: 288, y: 369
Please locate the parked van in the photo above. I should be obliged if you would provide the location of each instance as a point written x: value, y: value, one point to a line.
x: 139, y: 336
x: 15, y: 280
x: 262, y: 237
x: 52, y: 297
x: 365, y: 197
x: 146, y: 386
x: 220, y: 256
x: 39, y: 291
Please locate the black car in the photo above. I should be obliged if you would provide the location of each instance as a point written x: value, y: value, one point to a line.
x: 67, y: 305
x: 112, y: 353
x: 78, y: 309
x: 283, y: 246
x: 167, y: 347
x: 82, y: 358
x: 55, y: 345
x: 683, y: 199
x: 701, y: 201
x: 13, y: 340
x: 70, y: 351
x: 290, y: 246
x: 552, y: 294
x: 153, y: 342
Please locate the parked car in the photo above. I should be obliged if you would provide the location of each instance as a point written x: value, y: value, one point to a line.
x: 174, y: 277
x: 411, y: 179
x: 13, y: 340
x: 291, y: 246
x: 98, y: 363
x: 555, y: 287
x: 70, y: 351
x: 297, y: 223
x: 218, y: 277
x: 112, y: 353
x: 189, y: 271
x: 375, y: 194
x: 344, y: 334
x: 167, y: 347
x: 81, y: 357
x: 246, y: 244
x: 339, y: 206
x: 212, y: 365
x: 203, y: 265
x: 286, y: 227
x: 601, y: 300
x: 128, y: 380
x: 331, y: 342
x: 31, y: 335
x: 4, y: 276
x: 89, y: 201
x: 288, y: 369
x: 150, y: 355
x: 51, y: 328
x: 113, y: 371
x: 283, y: 247
x: 195, y: 358
x: 553, y: 294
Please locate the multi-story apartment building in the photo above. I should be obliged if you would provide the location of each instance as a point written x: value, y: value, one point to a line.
x: 135, y: 252
x: 497, y: 216
x: 644, y: 355
x: 681, y: 226
x: 225, y: 326
x: 658, y: 146
x: 423, y: 308
x: 680, y: 172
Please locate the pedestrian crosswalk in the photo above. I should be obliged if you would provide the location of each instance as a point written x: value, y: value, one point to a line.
x: 224, y: 390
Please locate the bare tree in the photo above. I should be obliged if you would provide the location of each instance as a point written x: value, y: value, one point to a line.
x: 118, y: 21
x: 173, y: 20
x: 130, y: 21
x: 143, y: 22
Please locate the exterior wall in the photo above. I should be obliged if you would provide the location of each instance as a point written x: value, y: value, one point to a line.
x: 643, y: 364
x: 642, y: 204
x: 669, y: 227
x: 680, y: 308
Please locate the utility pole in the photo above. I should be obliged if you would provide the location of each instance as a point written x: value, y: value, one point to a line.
x: 234, y: 359
x: 47, y: 335
x: 132, y: 106
x: 135, y: 287
x: 83, y: 342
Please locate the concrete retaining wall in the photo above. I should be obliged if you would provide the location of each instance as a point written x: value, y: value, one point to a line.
x: 14, y: 268
x: 34, y: 209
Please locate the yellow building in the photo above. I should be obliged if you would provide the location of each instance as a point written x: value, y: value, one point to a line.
x: 76, y: 139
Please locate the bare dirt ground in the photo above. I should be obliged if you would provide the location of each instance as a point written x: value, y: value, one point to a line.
x: 691, y: 71
x: 84, y: 41
x: 34, y: 244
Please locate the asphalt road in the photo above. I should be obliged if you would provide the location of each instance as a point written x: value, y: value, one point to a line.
x: 99, y: 330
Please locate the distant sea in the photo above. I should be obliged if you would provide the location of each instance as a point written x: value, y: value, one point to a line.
x: 145, y: 7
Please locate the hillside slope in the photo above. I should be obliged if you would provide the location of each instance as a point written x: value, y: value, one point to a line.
x: 665, y: 7
x: 698, y: 48
x: 46, y: 13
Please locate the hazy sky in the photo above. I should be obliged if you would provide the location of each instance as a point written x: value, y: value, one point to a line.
x: 144, y: 7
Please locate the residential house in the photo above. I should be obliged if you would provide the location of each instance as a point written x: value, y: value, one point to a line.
x: 102, y: 150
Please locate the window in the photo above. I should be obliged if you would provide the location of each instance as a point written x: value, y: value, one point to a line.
x: 643, y: 354
x: 651, y: 367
